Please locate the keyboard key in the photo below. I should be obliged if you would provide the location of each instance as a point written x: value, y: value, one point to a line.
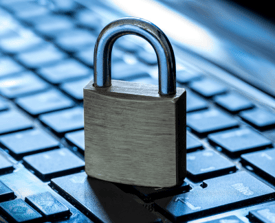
x: 192, y: 144
x: 101, y: 200
x: 5, y: 192
x: 21, y: 84
x: 259, y: 118
x: 19, y: 211
x: 9, y: 66
x: 233, y: 102
x: 44, y: 56
x: 237, y: 141
x: 55, y: 163
x: 87, y: 56
x: 47, y: 101
x: 77, y: 139
x: 208, y: 121
x: 262, y: 163
x: 149, y: 194
x: 221, y: 194
x: 64, y: 121
x: 75, y: 88
x: 65, y: 6
x: 207, y: 164
x: 75, y: 40
x: 128, y: 44
x: 25, y: 184
x: 265, y: 214
x: 186, y: 76
x: 12, y: 121
x: 3, y: 105
x: 5, y: 165
x: 124, y: 71
x: 19, y: 8
x: 64, y: 71
x: 207, y: 88
x: 228, y: 219
x: 88, y: 19
x: 28, y: 142
x: 149, y: 58
x: 46, y: 204
x: 52, y: 25
x: 19, y: 44
x: 194, y: 103
x: 144, y: 80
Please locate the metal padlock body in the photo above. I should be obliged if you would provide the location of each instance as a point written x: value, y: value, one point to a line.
x: 135, y: 133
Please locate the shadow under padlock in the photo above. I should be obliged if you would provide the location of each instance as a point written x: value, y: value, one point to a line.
x: 135, y: 133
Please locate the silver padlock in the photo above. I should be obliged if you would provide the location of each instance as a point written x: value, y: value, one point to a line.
x: 135, y: 133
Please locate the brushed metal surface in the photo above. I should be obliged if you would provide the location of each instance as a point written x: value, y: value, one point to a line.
x: 135, y: 136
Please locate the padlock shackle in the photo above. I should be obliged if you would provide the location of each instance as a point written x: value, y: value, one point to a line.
x: 146, y: 30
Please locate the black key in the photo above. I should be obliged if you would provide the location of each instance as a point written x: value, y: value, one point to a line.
x: 186, y: 76
x: 21, y: 84
x: 19, y: 44
x: 87, y: 56
x: 5, y: 192
x: 75, y: 40
x: 19, y: 211
x: 64, y: 121
x: 237, y: 141
x: 194, y: 103
x: 207, y: 88
x: 12, y: 121
x: 24, y: 183
x: 124, y: 71
x: 30, y: 14
x: 149, y: 194
x: 51, y: 25
x: 3, y: 105
x: 75, y: 88
x: 144, y: 80
x: 101, y: 200
x: 233, y: 102
x: 220, y: 194
x: 64, y: 71
x: 65, y: 6
x: 88, y: 19
x: 47, y: 205
x: 28, y: 142
x: 77, y: 139
x: 259, y: 118
x: 55, y: 163
x: 265, y: 214
x: 207, y: 164
x: 262, y: 163
x: 208, y: 121
x: 50, y: 100
x: 192, y: 144
x: 9, y: 66
x: 5, y: 165
x: 228, y: 219
x: 128, y: 44
x: 149, y: 58
x: 25, y: 7
x: 43, y: 56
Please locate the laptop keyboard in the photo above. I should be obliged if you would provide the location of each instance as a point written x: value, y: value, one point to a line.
x: 46, y: 58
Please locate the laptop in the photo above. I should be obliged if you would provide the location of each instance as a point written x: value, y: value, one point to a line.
x: 225, y: 61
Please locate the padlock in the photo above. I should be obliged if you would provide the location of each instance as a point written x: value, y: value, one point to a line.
x: 135, y: 133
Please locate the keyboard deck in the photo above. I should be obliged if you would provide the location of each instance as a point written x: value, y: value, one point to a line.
x: 46, y: 58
